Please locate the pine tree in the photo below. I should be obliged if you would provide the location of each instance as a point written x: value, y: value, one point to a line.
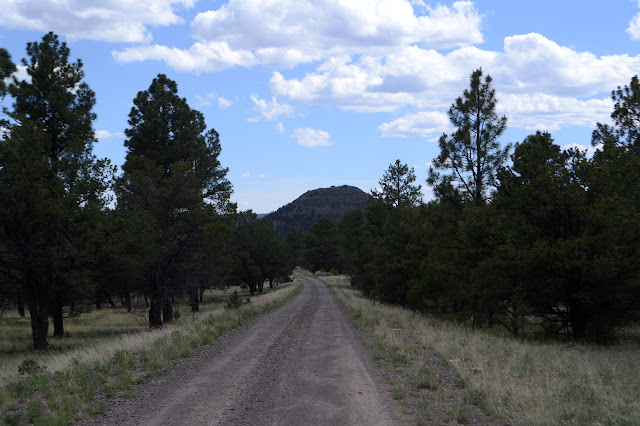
x: 398, y: 187
x: 172, y: 171
x: 54, y: 182
x: 625, y: 131
x: 465, y: 170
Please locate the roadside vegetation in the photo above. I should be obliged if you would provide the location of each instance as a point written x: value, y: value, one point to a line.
x: 72, y: 379
x: 534, y: 239
x: 443, y: 372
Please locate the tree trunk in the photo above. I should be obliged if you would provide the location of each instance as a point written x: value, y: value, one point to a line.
x: 577, y: 319
x: 37, y: 297
x: 193, y: 298
x: 127, y: 301
x: 155, y: 308
x: 167, y: 310
x: 21, y: 306
x: 58, y: 324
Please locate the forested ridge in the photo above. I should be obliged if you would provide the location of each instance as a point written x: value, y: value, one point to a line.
x: 529, y: 237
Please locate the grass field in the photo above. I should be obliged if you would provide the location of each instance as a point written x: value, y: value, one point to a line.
x: 106, y: 353
x: 443, y: 372
x: 91, y: 333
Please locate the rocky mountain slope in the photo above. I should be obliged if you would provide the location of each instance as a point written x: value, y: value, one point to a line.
x: 313, y: 205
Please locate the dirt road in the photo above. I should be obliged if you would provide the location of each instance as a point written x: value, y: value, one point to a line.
x: 302, y: 364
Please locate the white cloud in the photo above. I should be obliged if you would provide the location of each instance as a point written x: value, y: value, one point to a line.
x: 532, y: 62
x: 588, y: 150
x: 269, y: 110
x: 224, y: 103
x: 427, y: 123
x: 532, y: 72
x: 203, y: 101
x: 107, y: 20
x: 634, y: 26
x: 323, y: 25
x: 311, y: 138
x: 201, y: 57
x: 105, y: 134
x: 289, y: 32
x: 547, y: 112
x: 20, y: 74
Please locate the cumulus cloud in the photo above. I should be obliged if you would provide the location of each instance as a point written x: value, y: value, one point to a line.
x: 547, y: 112
x: 311, y: 138
x: 203, y: 101
x: 423, y: 124
x: 323, y: 25
x: 269, y: 110
x: 105, y: 134
x: 532, y: 62
x: 20, y: 75
x: 224, y: 103
x: 108, y: 20
x: 290, y: 32
x: 535, y: 79
x: 211, y: 56
x: 588, y: 150
x: 634, y: 26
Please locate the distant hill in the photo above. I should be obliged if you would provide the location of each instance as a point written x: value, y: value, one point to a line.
x: 313, y: 205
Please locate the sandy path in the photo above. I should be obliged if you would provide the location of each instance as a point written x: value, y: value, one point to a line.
x: 301, y: 364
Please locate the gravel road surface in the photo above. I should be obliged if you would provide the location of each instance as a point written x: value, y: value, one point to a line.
x: 302, y: 364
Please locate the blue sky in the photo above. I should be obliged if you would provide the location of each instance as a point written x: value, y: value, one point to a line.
x: 313, y: 93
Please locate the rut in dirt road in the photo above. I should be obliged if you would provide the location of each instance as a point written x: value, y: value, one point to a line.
x: 301, y: 364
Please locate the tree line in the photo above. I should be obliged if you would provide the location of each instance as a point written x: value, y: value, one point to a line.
x: 76, y: 234
x: 529, y: 236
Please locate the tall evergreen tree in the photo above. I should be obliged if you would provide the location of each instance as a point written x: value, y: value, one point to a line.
x: 54, y: 183
x: 323, y: 246
x: 398, y: 187
x: 7, y: 67
x: 172, y: 171
x: 465, y: 170
x: 625, y: 131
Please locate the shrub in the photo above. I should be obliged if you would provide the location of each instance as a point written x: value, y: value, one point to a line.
x: 30, y: 366
x: 235, y: 301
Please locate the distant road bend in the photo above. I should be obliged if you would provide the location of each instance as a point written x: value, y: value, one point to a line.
x: 302, y: 364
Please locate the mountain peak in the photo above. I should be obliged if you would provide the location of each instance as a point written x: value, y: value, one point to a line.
x: 313, y: 205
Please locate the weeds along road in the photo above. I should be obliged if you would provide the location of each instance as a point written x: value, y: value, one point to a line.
x: 301, y: 364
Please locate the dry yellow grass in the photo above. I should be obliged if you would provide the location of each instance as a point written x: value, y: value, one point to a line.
x: 515, y: 381
x: 97, y: 336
